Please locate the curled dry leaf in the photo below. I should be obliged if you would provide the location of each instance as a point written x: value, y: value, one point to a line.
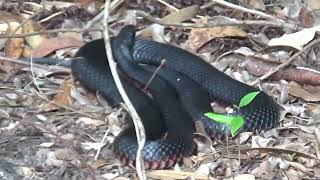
x: 63, y: 98
x: 259, y: 67
x: 300, y: 167
x: 4, y: 114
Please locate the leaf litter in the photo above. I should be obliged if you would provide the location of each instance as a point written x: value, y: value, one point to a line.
x: 61, y: 140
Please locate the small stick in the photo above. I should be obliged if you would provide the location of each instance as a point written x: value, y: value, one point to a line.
x: 27, y: 63
x: 218, y: 23
x: 243, y: 9
x: 140, y: 132
x: 79, y: 30
x: 154, y: 74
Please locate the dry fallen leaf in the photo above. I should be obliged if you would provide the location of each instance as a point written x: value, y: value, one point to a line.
x: 171, y: 174
x: 26, y: 172
x: 36, y: 40
x: 181, y: 15
x: 296, y: 90
x: 157, y: 31
x: 13, y: 49
x: 98, y: 163
x: 52, y: 160
x: 264, y: 171
x: 52, y: 44
x: 314, y: 4
x: 63, y: 98
x: 297, y: 39
x: 89, y: 121
x: 306, y: 18
x: 200, y: 36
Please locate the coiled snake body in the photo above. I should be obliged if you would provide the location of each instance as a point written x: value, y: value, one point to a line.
x: 181, y: 93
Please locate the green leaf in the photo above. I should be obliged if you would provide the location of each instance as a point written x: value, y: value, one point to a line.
x: 233, y: 122
x: 248, y: 98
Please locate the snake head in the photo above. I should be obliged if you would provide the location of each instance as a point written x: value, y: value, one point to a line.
x: 127, y: 36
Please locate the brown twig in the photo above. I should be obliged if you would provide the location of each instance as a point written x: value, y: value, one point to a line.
x: 140, y: 132
x: 218, y: 23
x: 79, y: 30
x: 289, y: 61
x: 154, y: 74
x: 279, y: 150
x: 18, y: 61
x: 251, y: 11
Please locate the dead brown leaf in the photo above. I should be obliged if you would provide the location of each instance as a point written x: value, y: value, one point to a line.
x: 264, y: 171
x: 13, y: 49
x: 63, y: 98
x: 36, y: 40
x: 301, y: 168
x: 258, y: 67
x: 306, y: 18
x: 298, y: 91
x: 52, y: 44
x: 200, y: 36
x: 182, y: 15
x: 157, y: 31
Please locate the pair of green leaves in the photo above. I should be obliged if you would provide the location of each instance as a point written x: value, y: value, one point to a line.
x: 233, y: 122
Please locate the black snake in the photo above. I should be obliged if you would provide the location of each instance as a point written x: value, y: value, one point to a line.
x: 181, y: 93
